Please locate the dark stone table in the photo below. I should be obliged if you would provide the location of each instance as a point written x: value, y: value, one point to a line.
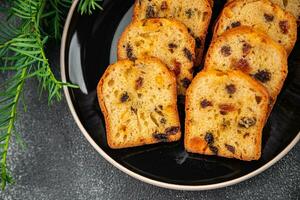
x: 59, y: 163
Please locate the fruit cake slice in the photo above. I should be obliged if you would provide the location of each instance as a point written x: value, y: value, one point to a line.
x: 263, y: 15
x: 195, y: 14
x: 252, y: 52
x: 225, y: 115
x: 138, y: 100
x: 292, y: 6
x: 165, y: 39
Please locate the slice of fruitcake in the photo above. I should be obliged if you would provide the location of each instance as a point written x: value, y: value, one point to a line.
x: 252, y: 52
x: 225, y: 115
x: 165, y: 39
x: 138, y: 100
x: 263, y: 15
x: 195, y: 14
x: 292, y: 6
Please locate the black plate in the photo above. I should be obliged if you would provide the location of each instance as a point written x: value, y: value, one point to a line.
x: 89, y: 51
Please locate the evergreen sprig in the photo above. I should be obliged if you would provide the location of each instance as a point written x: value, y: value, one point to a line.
x: 23, y: 40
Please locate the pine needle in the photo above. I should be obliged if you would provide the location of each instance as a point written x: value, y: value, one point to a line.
x: 23, y: 38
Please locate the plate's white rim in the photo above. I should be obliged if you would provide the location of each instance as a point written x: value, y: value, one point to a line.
x: 131, y: 173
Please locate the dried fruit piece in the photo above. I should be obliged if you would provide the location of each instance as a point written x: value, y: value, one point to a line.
x: 129, y: 52
x: 150, y: 13
x: 246, y: 48
x: 263, y: 76
x: 284, y: 26
x: 269, y: 17
x: 160, y: 136
x: 139, y: 83
x: 230, y: 148
x: 246, y: 122
x: 198, y: 42
x: 185, y: 82
x: 176, y: 67
x: 172, y: 46
x: 225, y: 108
x: 189, y: 13
x: 134, y: 110
x: 235, y: 24
x: 230, y: 88
x: 188, y: 54
x: 164, y: 5
x: 172, y: 130
x: 163, y: 121
x: 258, y: 99
x: 226, y: 50
x: 124, y: 97
x: 205, y: 103
x: 214, y: 149
x: 243, y: 65
x: 209, y: 138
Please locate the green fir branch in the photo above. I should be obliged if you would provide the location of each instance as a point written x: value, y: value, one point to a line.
x: 88, y: 6
x: 23, y: 39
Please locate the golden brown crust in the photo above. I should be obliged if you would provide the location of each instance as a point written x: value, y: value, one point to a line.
x: 142, y: 140
x: 198, y: 32
x: 260, y: 39
x: 167, y: 28
x: 289, y: 30
x: 199, y: 145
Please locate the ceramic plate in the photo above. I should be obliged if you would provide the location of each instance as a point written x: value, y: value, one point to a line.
x: 89, y: 46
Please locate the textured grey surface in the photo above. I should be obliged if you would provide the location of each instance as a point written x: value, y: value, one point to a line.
x: 59, y: 163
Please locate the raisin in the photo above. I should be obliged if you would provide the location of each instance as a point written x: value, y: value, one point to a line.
x: 129, y: 52
x: 258, y: 99
x: 177, y: 66
x: 185, y: 82
x: 163, y: 121
x: 243, y: 65
x: 205, y: 103
x: 164, y: 5
x: 284, y: 26
x: 230, y: 148
x: 188, y: 54
x: 246, y: 48
x: 133, y: 110
x: 172, y: 130
x: 189, y: 13
x: 139, y: 83
x: 230, y: 88
x: 150, y: 13
x: 269, y: 17
x: 124, y: 97
x: 172, y: 46
x: 235, y: 24
x: 209, y: 138
x: 160, y: 107
x: 263, y: 76
x: 160, y: 136
x: 246, y: 122
x: 225, y: 108
x: 198, y: 42
x: 213, y: 149
x: 226, y: 51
